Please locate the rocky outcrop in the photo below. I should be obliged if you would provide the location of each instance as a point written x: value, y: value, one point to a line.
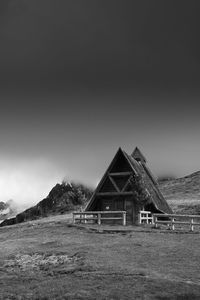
x: 7, y: 209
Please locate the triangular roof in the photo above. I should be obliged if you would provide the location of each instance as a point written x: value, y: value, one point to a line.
x: 128, y: 162
x: 152, y: 186
x: 137, y: 155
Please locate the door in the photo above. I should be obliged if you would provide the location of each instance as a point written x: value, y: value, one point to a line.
x: 130, y: 211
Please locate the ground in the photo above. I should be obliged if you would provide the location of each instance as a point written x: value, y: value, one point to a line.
x: 51, y: 259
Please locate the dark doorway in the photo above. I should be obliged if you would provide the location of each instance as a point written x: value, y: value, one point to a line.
x: 130, y: 211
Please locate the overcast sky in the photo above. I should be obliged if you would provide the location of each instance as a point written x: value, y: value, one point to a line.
x: 79, y: 78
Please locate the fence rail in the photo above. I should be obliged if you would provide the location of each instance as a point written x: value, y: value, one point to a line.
x: 98, y: 216
x: 171, y: 220
x: 145, y: 217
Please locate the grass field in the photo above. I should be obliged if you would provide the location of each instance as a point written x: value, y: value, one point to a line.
x: 49, y: 259
x: 187, y: 206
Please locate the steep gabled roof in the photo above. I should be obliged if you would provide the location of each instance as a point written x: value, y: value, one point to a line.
x: 137, y: 155
x: 119, y: 153
x: 151, y: 185
x: 137, y: 168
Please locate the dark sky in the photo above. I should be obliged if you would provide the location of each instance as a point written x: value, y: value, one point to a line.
x: 79, y: 78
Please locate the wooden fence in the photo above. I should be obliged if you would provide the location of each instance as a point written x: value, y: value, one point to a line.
x: 145, y: 217
x: 171, y: 220
x: 99, y: 216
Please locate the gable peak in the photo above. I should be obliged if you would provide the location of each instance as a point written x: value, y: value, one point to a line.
x: 137, y: 155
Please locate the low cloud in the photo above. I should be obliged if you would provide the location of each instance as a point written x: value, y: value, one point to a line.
x: 27, y: 181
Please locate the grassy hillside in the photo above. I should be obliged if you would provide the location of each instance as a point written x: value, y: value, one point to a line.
x: 48, y: 259
x: 183, y: 194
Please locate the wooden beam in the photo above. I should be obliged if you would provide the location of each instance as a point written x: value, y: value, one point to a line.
x: 115, y: 194
x: 115, y: 186
x: 120, y: 174
x: 99, y: 212
x: 112, y: 218
x: 126, y: 184
x: 176, y: 215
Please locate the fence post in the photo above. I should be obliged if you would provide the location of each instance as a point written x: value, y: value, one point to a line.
x: 152, y: 220
x: 156, y: 224
x: 172, y: 223
x: 147, y: 218
x: 139, y: 217
x: 124, y: 219
x: 191, y: 225
x: 84, y: 221
x: 99, y: 219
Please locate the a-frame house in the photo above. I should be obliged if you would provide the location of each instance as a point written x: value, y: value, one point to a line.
x: 115, y: 191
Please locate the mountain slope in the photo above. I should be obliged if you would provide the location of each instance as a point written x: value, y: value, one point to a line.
x: 62, y: 198
x: 182, y: 188
x: 183, y: 194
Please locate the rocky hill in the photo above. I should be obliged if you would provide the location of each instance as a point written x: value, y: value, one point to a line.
x: 3, y: 206
x: 183, y: 194
x: 7, y: 210
x: 4, y: 210
x: 62, y: 198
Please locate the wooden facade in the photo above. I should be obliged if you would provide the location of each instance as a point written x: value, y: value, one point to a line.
x: 115, y: 191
